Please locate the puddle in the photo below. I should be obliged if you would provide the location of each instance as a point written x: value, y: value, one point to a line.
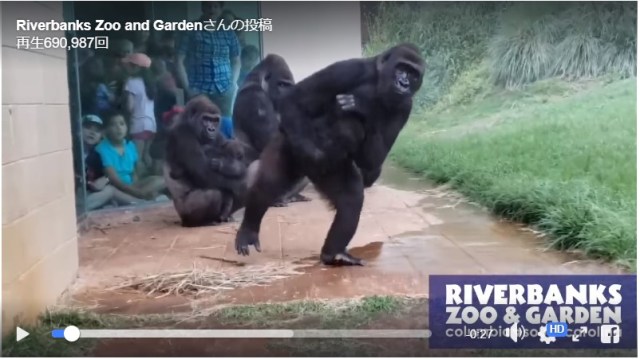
x: 408, y: 231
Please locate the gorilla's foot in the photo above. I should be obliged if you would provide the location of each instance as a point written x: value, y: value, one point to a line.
x: 299, y: 198
x: 341, y: 259
x: 229, y: 219
x: 281, y: 203
x: 246, y: 238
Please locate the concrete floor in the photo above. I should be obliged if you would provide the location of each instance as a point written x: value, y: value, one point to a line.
x: 408, y: 230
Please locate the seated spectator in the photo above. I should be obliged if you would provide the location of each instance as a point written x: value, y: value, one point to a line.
x: 99, y: 193
x: 120, y: 160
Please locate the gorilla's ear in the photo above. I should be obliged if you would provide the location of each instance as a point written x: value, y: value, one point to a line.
x: 382, y: 59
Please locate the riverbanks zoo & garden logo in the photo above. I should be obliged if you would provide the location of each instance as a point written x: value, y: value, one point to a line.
x: 533, y: 311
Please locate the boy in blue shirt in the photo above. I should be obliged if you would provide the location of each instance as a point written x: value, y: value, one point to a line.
x: 120, y: 159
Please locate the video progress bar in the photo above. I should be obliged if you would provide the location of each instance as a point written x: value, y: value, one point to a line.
x: 73, y: 334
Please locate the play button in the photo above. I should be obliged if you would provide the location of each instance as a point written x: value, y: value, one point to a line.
x: 21, y: 334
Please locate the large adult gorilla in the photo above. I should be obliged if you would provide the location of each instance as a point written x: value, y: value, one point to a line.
x: 205, y: 172
x: 255, y: 116
x: 340, y: 146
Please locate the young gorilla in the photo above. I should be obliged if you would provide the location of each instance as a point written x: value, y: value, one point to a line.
x: 205, y: 172
x: 339, y: 147
x: 255, y: 116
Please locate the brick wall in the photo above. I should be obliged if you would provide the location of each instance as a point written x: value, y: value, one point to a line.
x: 39, y: 235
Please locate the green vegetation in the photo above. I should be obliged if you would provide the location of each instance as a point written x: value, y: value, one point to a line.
x: 530, y: 110
x: 349, y: 314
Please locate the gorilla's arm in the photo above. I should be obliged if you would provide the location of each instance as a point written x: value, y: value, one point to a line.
x: 377, y: 144
x: 314, y: 97
x: 260, y: 129
x: 382, y: 128
x: 369, y: 177
x: 229, y: 167
x: 196, y: 166
x: 316, y: 91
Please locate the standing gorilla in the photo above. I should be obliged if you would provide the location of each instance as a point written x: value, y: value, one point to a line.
x: 204, y: 172
x: 340, y: 148
x: 255, y: 115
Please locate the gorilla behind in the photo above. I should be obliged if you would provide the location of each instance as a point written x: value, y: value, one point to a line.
x: 255, y: 116
x: 205, y: 173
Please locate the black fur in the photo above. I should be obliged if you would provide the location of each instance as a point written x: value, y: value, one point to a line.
x: 255, y: 117
x: 205, y: 172
x: 339, y: 147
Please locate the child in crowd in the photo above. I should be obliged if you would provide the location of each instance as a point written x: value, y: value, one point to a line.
x: 249, y: 58
x: 120, y: 157
x: 97, y: 96
x: 166, y: 99
x: 140, y: 89
x: 115, y: 70
x: 99, y: 192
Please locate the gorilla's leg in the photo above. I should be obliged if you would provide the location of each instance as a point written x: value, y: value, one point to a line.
x: 226, y: 209
x: 345, y: 192
x: 274, y: 177
x: 200, y: 208
x: 294, y: 195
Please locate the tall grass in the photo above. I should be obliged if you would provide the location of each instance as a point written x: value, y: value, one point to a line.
x: 565, y: 166
x: 572, y: 41
x: 515, y: 129
x: 521, y: 42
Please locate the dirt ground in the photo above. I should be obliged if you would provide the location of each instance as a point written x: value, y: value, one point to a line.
x: 408, y: 230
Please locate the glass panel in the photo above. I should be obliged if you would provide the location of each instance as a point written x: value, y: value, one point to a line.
x: 75, y: 114
x: 118, y: 106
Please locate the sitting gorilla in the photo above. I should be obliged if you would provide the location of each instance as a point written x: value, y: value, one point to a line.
x: 339, y: 147
x: 205, y: 173
x: 255, y: 118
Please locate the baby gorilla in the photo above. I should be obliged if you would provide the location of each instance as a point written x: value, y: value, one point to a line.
x: 205, y: 172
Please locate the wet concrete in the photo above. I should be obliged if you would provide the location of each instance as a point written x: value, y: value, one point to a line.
x: 408, y: 230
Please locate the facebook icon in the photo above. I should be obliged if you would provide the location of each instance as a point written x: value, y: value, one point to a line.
x: 610, y: 334
x: 557, y: 329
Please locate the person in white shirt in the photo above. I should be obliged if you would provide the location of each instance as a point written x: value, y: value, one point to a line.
x: 140, y: 90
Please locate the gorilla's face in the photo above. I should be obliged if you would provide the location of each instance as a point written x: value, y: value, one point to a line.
x: 401, y: 72
x: 277, y: 84
x: 280, y: 86
x: 210, y: 123
x: 407, y: 80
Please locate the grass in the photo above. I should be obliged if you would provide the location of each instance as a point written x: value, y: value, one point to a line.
x: 382, y: 312
x: 525, y: 109
x: 349, y: 314
x: 554, y: 155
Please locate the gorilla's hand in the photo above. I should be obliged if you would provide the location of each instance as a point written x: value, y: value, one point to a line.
x: 346, y: 102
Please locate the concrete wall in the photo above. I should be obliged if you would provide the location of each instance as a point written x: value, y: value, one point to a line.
x: 312, y: 35
x: 39, y: 236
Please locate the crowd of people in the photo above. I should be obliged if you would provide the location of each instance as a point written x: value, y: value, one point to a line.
x: 130, y: 94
